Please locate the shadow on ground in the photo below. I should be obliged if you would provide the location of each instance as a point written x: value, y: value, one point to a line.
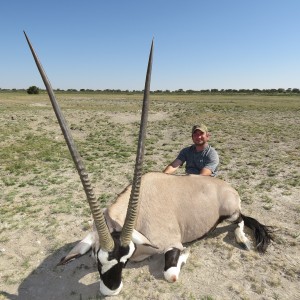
x: 49, y: 281
x: 80, y: 279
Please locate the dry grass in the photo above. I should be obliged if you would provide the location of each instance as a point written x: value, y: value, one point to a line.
x: 43, y: 209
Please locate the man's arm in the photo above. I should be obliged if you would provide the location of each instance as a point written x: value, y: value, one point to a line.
x: 205, y: 172
x: 212, y: 164
x: 173, y: 166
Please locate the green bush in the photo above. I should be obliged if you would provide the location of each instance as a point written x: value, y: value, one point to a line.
x: 33, y: 90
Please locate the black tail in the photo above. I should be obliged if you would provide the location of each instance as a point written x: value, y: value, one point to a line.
x: 261, y: 232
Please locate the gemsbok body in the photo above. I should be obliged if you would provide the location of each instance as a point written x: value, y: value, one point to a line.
x: 158, y: 213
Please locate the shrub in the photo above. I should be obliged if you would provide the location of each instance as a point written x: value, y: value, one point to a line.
x: 33, y: 90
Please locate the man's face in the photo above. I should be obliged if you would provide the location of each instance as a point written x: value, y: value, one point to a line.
x: 199, y: 137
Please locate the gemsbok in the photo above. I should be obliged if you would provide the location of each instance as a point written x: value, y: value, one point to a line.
x: 157, y: 213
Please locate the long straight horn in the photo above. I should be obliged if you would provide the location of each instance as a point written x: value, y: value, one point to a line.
x: 105, y: 238
x: 134, y: 196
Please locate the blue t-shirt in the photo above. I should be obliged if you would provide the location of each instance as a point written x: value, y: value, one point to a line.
x: 196, y: 161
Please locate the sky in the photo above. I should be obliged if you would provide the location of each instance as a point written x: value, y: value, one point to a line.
x: 198, y: 44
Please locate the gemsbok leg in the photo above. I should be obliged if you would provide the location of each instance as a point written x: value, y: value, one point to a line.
x: 174, y: 259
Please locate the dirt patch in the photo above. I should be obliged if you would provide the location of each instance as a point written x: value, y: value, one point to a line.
x: 44, y: 213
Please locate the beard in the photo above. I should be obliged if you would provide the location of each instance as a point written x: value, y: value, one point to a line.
x: 199, y: 143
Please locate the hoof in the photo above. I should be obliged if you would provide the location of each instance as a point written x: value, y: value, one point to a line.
x: 171, y: 275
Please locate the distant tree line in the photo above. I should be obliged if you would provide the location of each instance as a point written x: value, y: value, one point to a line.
x: 36, y: 90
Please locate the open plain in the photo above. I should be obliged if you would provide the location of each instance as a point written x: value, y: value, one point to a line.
x: 43, y: 211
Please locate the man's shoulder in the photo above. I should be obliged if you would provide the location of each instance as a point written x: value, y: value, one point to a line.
x: 185, y: 153
x: 187, y: 149
x: 211, y: 148
x: 211, y: 151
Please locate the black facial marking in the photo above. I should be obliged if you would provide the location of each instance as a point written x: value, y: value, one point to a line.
x: 171, y: 258
x: 113, y: 277
x: 119, y: 251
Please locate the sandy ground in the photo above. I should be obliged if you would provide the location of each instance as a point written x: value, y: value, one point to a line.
x: 216, y: 269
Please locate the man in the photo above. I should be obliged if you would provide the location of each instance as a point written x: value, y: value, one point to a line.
x: 200, y: 158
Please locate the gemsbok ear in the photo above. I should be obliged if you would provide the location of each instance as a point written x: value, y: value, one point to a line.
x: 140, y: 239
x: 81, y: 248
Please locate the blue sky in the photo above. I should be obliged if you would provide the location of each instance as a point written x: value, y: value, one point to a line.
x: 199, y: 44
